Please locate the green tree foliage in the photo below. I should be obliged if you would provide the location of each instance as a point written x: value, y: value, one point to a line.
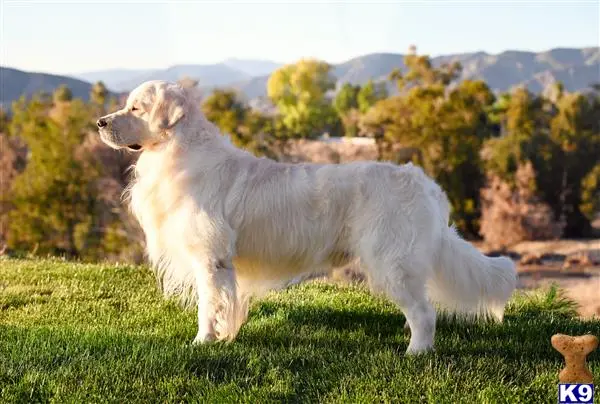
x: 590, y: 193
x: 299, y: 91
x: 12, y: 161
x: 561, y: 139
x: 575, y: 130
x: 523, y: 119
x: 420, y: 72
x: 246, y: 127
x: 99, y: 94
x: 3, y: 121
x: 346, y: 98
x: 53, y: 198
x: 101, y: 101
x: 63, y: 94
x: 346, y: 105
x: 66, y: 200
x: 99, y: 98
x: 225, y: 110
x: 353, y: 101
x: 369, y: 94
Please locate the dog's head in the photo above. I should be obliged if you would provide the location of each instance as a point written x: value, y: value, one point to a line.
x: 150, y: 114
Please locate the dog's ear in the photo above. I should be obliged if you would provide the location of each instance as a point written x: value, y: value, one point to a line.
x: 168, y: 109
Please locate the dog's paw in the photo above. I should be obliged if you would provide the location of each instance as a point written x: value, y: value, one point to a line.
x: 203, y: 338
x: 419, y: 348
x: 413, y: 350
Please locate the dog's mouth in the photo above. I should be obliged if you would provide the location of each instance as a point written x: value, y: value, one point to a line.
x: 135, y: 147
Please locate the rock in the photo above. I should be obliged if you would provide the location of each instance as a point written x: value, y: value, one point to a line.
x: 553, y: 257
x: 531, y: 259
x: 583, y: 258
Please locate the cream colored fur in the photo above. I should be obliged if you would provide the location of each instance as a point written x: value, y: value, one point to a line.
x: 222, y: 225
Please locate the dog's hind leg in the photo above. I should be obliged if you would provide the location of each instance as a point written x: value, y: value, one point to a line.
x: 419, y: 312
x: 404, y: 284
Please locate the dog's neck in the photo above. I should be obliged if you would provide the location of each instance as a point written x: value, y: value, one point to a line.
x: 192, y: 134
x: 194, y: 130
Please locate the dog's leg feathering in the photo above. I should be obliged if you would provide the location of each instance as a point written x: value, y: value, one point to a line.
x: 217, y: 300
x: 408, y: 293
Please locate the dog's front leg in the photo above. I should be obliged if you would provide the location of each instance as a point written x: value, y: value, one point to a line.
x: 206, y: 312
x: 217, y: 300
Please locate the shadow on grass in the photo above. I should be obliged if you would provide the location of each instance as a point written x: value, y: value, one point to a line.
x: 524, y: 335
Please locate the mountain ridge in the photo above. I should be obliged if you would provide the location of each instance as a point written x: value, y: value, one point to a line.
x: 578, y: 68
x: 501, y: 71
x: 15, y: 83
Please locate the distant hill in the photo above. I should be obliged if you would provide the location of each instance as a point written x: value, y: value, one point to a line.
x: 230, y: 70
x: 207, y: 75
x: 253, y: 67
x: 113, y: 78
x: 14, y: 83
x: 373, y: 66
x: 576, y: 68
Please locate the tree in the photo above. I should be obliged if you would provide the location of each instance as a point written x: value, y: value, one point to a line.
x: 299, y: 91
x: 590, y: 193
x: 346, y: 105
x: 233, y: 117
x: 3, y: 121
x: 346, y: 98
x: 225, y: 110
x: 420, y: 72
x: 13, y: 156
x: 99, y: 100
x: 99, y: 94
x: 63, y: 94
x: 523, y: 118
x: 575, y: 133
x: 561, y: 139
x: 53, y: 198
x: 369, y: 94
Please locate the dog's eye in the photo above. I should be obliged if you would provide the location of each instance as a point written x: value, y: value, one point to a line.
x: 134, y: 109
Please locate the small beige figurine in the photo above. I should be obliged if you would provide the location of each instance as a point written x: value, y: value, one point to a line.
x: 575, y: 350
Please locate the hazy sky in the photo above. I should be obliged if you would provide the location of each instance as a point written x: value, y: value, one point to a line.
x: 77, y: 36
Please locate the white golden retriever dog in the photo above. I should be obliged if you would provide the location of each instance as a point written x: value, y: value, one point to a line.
x: 222, y: 225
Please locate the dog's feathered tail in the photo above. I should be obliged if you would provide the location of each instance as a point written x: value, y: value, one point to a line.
x: 469, y: 283
x: 464, y: 281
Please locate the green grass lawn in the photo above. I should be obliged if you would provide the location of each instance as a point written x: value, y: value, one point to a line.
x: 72, y: 332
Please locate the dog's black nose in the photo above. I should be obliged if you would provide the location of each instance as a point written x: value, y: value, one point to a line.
x: 101, y: 123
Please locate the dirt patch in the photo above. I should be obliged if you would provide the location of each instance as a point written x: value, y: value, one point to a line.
x: 584, y: 290
x: 565, y: 247
x: 573, y: 265
x: 339, y: 150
